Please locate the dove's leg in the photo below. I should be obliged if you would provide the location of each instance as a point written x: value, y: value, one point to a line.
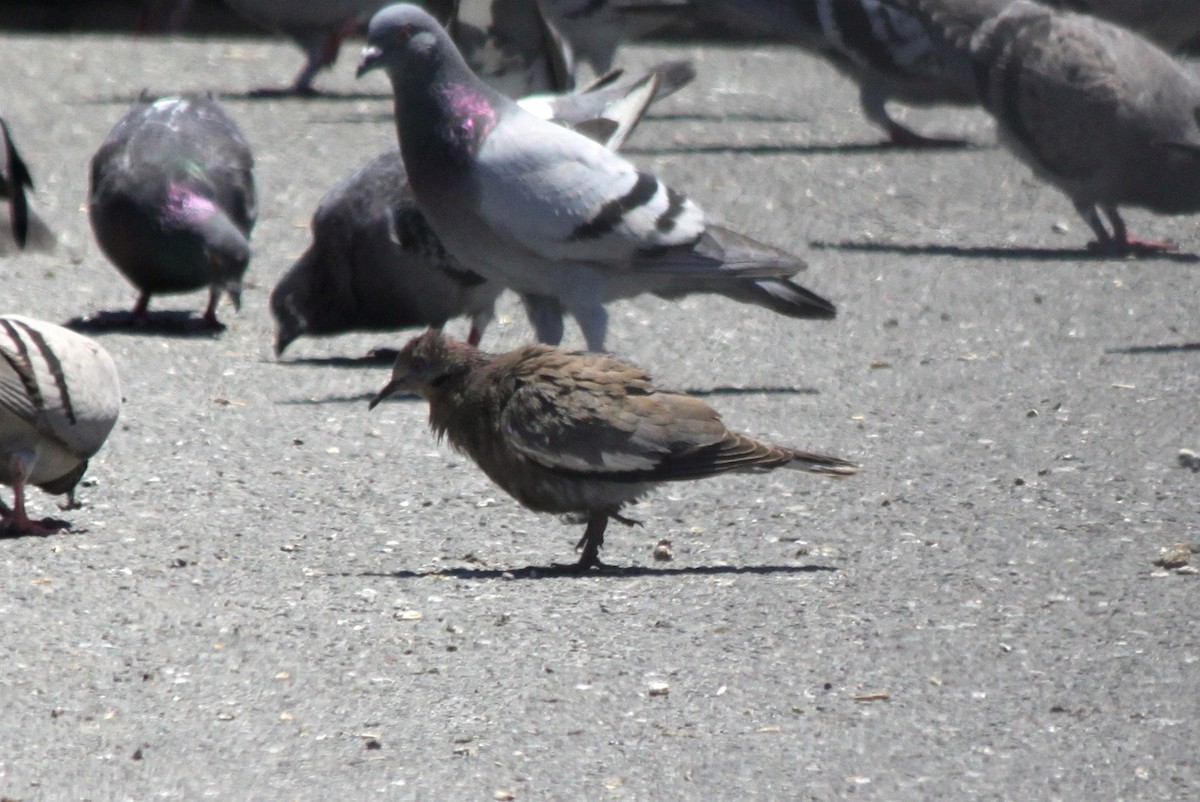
x: 545, y: 315
x: 592, y: 540
x: 874, y: 105
x: 20, y: 466
x: 593, y: 322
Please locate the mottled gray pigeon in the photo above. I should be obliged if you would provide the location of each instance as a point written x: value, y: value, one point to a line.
x: 573, y: 433
x: 876, y: 43
x: 172, y: 200
x: 1096, y: 110
x: 1170, y: 23
x: 546, y: 211
x: 59, y: 399
x: 375, y: 265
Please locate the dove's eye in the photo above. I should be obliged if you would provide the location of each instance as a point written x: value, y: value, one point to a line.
x: 417, y: 365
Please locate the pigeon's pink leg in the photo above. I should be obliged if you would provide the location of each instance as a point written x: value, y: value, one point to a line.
x: 1130, y: 244
x: 20, y: 465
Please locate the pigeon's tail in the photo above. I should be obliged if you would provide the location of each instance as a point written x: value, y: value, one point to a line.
x: 16, y: 175
x: 609, y: 109
x: 779, y: 295
x: 720, y: 254
x: 821, y: 463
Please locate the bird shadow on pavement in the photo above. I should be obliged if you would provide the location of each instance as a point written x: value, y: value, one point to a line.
x: 169, y: 323
x: 608, y: 572
x: 815, y: 149
x: 1166, y: 348
x: 1033, y: 254
x: 375, y: 358
x: 705, y: 392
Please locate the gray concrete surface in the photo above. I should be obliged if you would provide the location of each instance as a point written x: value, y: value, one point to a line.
x: 273, y: 594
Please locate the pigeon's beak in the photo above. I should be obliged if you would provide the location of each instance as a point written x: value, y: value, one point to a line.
x: 372, y: 59
x: 389, y: 389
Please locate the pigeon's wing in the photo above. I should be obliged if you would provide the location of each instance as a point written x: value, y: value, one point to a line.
x: 60, y: 383
x: 564, y: 197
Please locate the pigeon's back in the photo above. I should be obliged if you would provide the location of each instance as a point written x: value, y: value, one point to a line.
x: 61, y: 384
x: 183, y: 140
x: 1092, y: 107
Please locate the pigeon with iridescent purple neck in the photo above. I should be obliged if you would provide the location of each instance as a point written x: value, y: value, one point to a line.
x: 375, y: 265
x: 546, y: 211
x: 172, y: 200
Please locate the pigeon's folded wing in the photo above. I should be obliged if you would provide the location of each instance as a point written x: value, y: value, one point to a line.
x: 563, y: 196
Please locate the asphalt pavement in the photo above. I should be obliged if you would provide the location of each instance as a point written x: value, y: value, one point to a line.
x: 272, y: 593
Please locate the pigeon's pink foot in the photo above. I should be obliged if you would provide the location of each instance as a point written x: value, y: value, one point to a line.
x: 1132, y: 246
x: 15, y: 523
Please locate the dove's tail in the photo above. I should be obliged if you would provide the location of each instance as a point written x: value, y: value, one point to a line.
x: 820, y: 463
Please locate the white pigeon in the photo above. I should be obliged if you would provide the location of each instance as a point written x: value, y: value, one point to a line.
x: 546, y: 211
x: 59, y: 399
x: 1094, y: 109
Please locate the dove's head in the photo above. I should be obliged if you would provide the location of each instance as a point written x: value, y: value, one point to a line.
x: 402, y: 37
x: 425, y: 364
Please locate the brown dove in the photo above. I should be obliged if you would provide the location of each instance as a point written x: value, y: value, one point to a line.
x: 576, y: 433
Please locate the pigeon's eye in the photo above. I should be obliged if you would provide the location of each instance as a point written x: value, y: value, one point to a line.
x: 416, y: 365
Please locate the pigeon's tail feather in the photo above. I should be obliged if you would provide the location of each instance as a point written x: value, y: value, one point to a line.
x: 609, y: 110
x: 821, y: 463
x: 18, y: 179
x: 721, y: 253
x: 779, y: 295
x: 672, y: 76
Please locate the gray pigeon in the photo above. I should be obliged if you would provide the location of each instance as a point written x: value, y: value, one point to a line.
x: 879, y: 45
x: 578, y: 434
x: 59, y: 399
x: 172, y: 200
x: 1170, y: 23
x: 546, y: 211
x: 1096, y: 110
x: 375, y: 265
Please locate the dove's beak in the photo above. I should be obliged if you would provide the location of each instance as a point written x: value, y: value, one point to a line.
x: 389, y: 389
x: 372, y: 59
